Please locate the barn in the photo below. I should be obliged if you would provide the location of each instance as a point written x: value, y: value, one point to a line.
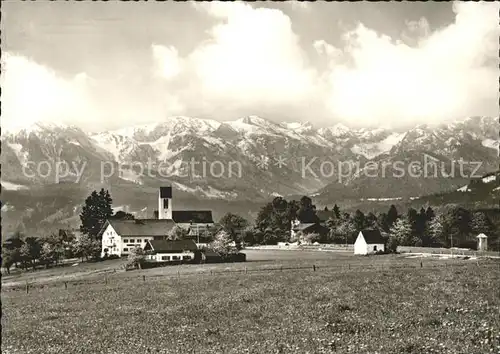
x: 369, y: 242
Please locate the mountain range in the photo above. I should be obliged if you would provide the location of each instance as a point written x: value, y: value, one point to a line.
x: 234, y: 165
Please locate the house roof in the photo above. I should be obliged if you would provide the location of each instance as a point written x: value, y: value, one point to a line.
x: 141, y: 227
x: 372, y: 236
x: 165, y: 192
x: 303, y: 226
x: 192, y: 216
x: 171, y: 246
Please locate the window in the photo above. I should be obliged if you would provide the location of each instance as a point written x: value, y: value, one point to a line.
x: 125, y: 240
x: 186, y: 257
x: 165, y: 203
x: 125, y: 250
x: 175, y: 258
x: 165, y: 258
x: 132, y: 240
x: 374, y: 248
x: 139, y: 240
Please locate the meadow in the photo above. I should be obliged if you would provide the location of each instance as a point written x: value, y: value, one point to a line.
x: 346, y: 304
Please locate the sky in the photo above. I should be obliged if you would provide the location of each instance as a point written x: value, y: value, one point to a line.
x: 105, y: 65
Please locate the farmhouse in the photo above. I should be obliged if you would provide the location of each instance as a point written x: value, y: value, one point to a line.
x: 171, y: 251
x: 307, y: 228
x: 120, y: 236
x: 369, y: 242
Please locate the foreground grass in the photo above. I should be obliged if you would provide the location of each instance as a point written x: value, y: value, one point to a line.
x: 433, y: 310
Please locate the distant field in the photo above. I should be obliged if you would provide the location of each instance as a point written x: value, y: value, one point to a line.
x: 335, y: 309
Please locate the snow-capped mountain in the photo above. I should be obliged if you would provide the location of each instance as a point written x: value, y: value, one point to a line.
x: 250, y: 158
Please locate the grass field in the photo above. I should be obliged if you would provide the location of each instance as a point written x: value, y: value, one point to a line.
x: 380, y: 304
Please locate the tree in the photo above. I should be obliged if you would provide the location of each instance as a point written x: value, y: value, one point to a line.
x: 336, y: 211
x: 86, y: 248
x: 436, y: 230
x: 382, y: 222
x: 309, y: 238
x: 399, y: 233
x: 250, y: 236
x: 326, y: 208
x: 9, y: 257
x: 429, y: 213
x: 30, y: 251
x: 47, y: 255
x: 232, y: 223
x: 481, y: 224
x: 177, y: 233
x: 222, y: 244
x: 359, y: 220
x: 96, y: 210
x: 371, y: 221
x: 392, y: 216
x: 347, y: 230
x: 307, y: 211
x: 136, y: 257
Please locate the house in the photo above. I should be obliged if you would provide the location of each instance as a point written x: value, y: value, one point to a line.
x: 120, y: 236
x: 308, y: 228
x: 482, y: 242
x: 171, y: 251
x: 369, y: 242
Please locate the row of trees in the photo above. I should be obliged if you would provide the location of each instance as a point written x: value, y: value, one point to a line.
x: 33, y: 252
x: 447, y: 227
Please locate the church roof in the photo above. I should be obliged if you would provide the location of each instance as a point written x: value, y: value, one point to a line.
x: 192, y: 216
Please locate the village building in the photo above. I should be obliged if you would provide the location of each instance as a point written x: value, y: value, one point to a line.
x: 175, y: 251
x: 120, y: 236
x: 320, y: 227
x: 369, y: 242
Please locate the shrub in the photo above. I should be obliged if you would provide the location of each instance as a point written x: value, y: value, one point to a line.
x: 136, y: 258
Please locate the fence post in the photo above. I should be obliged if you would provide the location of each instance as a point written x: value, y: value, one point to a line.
x: 106, y: 279
x: 421, y: 265
x: 27, y: 287
x: 246, y: 270
x: 178, y: 274
x: 143, y: 278
x: 66, y: 285
x: 314, y: 268
x: 281, y: 268
x: 211, y: 272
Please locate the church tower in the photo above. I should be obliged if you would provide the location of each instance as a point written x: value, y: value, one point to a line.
x: 165, y: 203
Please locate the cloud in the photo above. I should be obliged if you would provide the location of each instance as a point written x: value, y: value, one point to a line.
x: 253, y: 61
x: 32, y: 92
x: 167, y: 62
x: 445, y: 76
x: 252, y: 57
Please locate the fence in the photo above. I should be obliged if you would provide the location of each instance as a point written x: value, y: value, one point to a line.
x: 109, y: 275
x: 455, y: 251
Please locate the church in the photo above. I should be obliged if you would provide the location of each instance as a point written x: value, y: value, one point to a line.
x: 120, y: 236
